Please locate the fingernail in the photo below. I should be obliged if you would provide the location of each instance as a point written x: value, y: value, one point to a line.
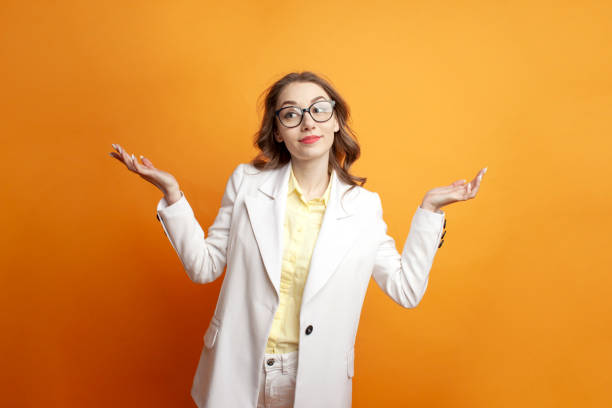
x: 141, y: 156
x: 133, y: 158
x: 485, y: 170
x: 110, y: 154
x: 114, y: 147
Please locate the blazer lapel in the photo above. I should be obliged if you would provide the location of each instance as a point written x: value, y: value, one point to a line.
x: 339, y: 229
x: 267, y: 212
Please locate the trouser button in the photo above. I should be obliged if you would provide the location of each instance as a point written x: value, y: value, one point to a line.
x: 270, y: 362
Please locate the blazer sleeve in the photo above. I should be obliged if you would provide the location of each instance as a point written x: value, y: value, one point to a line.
x: 404, y: 277
x: 203, y: 258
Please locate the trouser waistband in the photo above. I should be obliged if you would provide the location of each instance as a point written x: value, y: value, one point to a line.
x: 280, y: 361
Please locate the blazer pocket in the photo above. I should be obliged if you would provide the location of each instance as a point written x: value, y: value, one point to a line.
x: 211, y: 333
x: 350, y: 362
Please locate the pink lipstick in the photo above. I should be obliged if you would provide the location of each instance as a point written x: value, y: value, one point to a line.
x: 310, y: 139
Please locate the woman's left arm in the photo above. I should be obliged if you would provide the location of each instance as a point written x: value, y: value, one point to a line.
x: 404, y: 277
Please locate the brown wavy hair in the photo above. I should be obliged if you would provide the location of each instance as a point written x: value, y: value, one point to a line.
x: 272, y: 154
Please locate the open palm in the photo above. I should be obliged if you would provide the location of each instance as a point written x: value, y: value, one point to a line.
x: 457, y: 191
x: 159, y: 178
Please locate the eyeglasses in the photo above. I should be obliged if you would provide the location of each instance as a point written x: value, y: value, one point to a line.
x: 320, y: 111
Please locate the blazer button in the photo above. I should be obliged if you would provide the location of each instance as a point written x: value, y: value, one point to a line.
x: 270, y: 362
x: 309, y: 329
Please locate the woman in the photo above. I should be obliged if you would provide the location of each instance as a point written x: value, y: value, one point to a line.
x: 301, y: 239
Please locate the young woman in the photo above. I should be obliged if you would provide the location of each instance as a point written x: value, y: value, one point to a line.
x: 301, y: 239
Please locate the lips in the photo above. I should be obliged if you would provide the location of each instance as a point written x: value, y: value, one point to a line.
x: 310, y: 139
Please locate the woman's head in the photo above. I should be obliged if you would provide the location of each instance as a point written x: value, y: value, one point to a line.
x: 281, y: 135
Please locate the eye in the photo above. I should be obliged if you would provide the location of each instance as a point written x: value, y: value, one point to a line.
x: 287, y: 113
x: 323, y: 106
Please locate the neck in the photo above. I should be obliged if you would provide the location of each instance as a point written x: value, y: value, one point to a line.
x: 311, y: 175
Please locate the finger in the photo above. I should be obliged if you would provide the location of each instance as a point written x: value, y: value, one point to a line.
x: 444, y: 189
x: 475, y: 190
x: 137, y: 166
x: 479, y: 175
x: 450, y: 187
x: 118, y: 148
x: 462, y: 192
x: 478, y: 181
x: 459, y: 193
x: 147, y: 162
x: 475, y: 181
x: 141, y: 168
x: 123, y: 156
x: 127, y: 159
x: 116, y: 156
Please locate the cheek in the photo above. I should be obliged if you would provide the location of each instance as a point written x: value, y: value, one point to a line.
x: 333, y: 127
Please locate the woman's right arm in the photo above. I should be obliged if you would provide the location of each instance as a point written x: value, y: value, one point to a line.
x: 202, y: 257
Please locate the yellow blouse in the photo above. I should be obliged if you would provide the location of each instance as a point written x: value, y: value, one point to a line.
x: 302, y: 223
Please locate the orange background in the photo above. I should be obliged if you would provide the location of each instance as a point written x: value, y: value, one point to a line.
x: 96, y: 310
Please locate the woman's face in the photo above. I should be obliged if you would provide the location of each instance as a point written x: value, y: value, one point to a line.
x: 297, y: 140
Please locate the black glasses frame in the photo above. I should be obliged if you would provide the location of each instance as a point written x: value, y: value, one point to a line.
x: 303, y: 110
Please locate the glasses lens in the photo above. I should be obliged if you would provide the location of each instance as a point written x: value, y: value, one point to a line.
x: 290, y: 116
x: 321, y: 111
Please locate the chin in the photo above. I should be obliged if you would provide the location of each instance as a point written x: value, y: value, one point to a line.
x: 313, y: 155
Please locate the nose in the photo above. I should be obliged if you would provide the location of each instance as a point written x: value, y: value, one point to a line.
x: 307, y: 121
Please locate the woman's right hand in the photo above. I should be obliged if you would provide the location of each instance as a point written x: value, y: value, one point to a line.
x: 159, y: 178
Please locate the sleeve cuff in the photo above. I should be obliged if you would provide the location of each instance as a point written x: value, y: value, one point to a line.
x: 428, y: 220
x: 181, y: 206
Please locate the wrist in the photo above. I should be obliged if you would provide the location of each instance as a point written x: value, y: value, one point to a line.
x: 430, y: 207
x: 172, y: 194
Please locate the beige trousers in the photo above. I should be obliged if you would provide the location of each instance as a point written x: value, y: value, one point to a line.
x: 277, y: 381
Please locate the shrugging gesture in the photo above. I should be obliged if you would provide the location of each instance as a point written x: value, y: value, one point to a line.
x: 159, y: 178
x: 458, y: 191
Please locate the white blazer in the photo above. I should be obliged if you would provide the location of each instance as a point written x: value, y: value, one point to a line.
x: 247, y: 235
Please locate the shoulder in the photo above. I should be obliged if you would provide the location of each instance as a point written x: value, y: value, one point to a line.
x: 250, y: 172
x: 244, y: 170
x: 361, y: 199
x: 245, y: 174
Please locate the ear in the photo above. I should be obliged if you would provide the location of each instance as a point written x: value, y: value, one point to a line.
x: 277, y: 137
x: 336, y: 124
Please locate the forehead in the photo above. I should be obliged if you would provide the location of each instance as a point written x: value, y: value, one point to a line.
x: 301, y: 92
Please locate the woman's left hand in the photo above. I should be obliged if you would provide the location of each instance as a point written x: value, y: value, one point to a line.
x: 457, y: 191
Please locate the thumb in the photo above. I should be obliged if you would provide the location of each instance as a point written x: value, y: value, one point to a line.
x: 458, y: 183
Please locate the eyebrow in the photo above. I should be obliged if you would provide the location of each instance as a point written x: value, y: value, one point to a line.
x: 295, y: 103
